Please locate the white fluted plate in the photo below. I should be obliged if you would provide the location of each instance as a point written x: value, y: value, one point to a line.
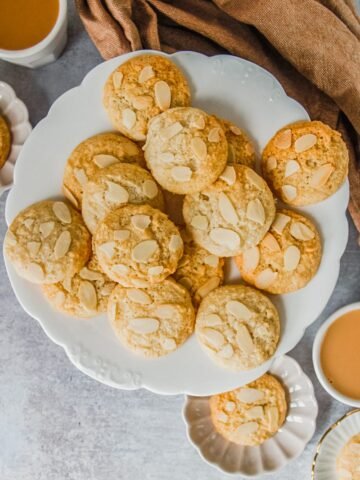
x: 330, y: 444
x: 274, y: 453
x: 16, y: 114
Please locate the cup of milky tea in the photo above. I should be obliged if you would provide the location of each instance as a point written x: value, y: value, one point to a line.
x: 32, y: 32
x: 336, y: 355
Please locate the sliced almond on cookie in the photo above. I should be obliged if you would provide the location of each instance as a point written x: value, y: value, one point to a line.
x: 169, y: 132
x: 87, y: 295
x: 181, y: 174
x: 229, y: 175
x: 62, y: 212
x: 227, y: 209
x: 138, y: 296
x: 225, y: 237
x: 117, y: 79
x: 150, y: 189
x: 28, y: 222
x: 104, y: 160
x: 250, y: 259
x: 212, y: 320
x: 321, y: 175
x: 10, y: 238
x: 120, y: 269
x: 244, y: 339
x: 166, y: 311
x: 305, y: 142
x: 289, y: 192
x: 121, y: 235
x: 167, y: 157
x: 144, y: 325
x: 214, y: 135
x: 254, y: 179
x: 273, y: 416
x: 222, y: 417
x: 270, y: 242
x: 291, y: 258
x: 200, y: 222
x: 271, y: 163
x: 81, y: 176
x: 255, y: 211
x: 238, y: 310
x: 247, y: 429
x: 70, y: 196
x: 300, y: 231
x: 116, y: 193
x: 33, y: 248
x: 230, y: 406
x: 255, y: 412
x: 292, y: 166
x: 62, y: 244
x: 198, y: 147
x: 141, y: 222
x: 265, y: 278
x: 146, y: 73
x: 214, y: 338
x: 142, y: 102
x: 175, y: 243
x: 280, y: 223
x: 168, y: 344
x: 208, y: 286
x: 283, y: 140
x: 249, y: 395
x: 107, y: 249
x: 144, y: 251
x: 162, y: 95
x: 35, y: 273
x: 198, y: 123
x: 128, y: 118
x: 157, y: 270
x: 235, y: 130
x: 211, y: 260
x: 87, y: 274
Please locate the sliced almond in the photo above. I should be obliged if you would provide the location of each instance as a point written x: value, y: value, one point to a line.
x: 186, y: 282
x: 121, y: 235
x: 280, y: 223
x: 10, y: 238
x: 208, y: 286
x: 300, y: 231
x: 254, y: 178
x: 81, y: 176
x: 112, y: 311
x: 283, y: 139
x: 103, y: 160
x: 200, y: 222
x: 146, y: 73
x: 62, y: 212
x: 167, y: 157
x: 116, y: 193
x: 291, y: 258
x: 33, y: 248
x: 46, y: 228
x: 144, y: 325
x: 107, y: 249
x: 230, y: 406
x: 214, y: 338
x: 198, y: 147
x: 142, y: 102
x: 141, y: 222
x: 212, y: 320
x: 255, y: 211
x: 271, y: 163
x: 87, y: 274
x: 175, y: 243
x: 214, y: 135
x: 265, y: 278
x: 250, y: 259
x: 138, y: 296
x: 117, y: 79
x: 321, y: 175
x: 227, y: 209
x: 305, y: 142
x: 235, y: 130
x: 169, y: 132
x: 35, y: 273
x: 273, y: 416
x: 29, y: 222
x: 289, y: 192
x: 70, y: 196
x: 270, y: 242
x: 229, y: 175
x: 128, y: 118
x: 249, y: 395
x: 222, y: 417
x: 244, y: 339
x: 150, y: 189
x: 198, y: 123
x: 139, y: 283
x: 162, y: 95
x: 238, y: 310
x: 153, y: 271
x: 255, y: 412
x: 168, y: 344
x: 87, y: 295
x: 59, y: 299
x: 225, y: 237
x: 181, y: 174
x: 107, y: 289
x: 120, y: 269
x: 166, y: 311
x: 144, y: 251
x: 211, y: 260
x: 292, y: 166
x: 247, y: 429
x: 67, y: 284
x: 62, y: 244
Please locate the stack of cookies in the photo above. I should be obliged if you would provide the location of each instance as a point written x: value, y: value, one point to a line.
x: 111, y: 246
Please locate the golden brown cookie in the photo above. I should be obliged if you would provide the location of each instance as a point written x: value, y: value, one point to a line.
x: 5, y: 141
x: 240, y: 148
x: 348, y: 460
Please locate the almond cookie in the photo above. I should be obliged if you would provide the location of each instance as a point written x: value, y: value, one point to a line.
x: 47, y: 242
x: 286, y: 259
x: 240, y: 147
x: 233, y: 214
x: 348, y: 460
x: 251, y: 414
x: 94, y: 154
x: 114, y: 186
x: 141, y: 88
x: 305, y: 162
x: 84, y: 295
x: 238, y: 327
x: 137, y: 245
x: 5, y: 141
x: 198, y: 270
x: 186, y: 150
x: 153, y: 321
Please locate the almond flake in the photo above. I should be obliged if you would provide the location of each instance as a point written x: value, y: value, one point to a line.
x: 107, y: 249
x: 141, y: 222
x: 165, y: 311
x: 35, y: 273
x: 291, y: 258
x: 226, y: 351
x: 81, y: 176
x: 138, y: 296
x: 254, y: 178
x: 107, y: 289
x: 46, y: 228
x: 62, y: 245
x: 144, y: 325
x: 162, y: 95
x: 28, y: 222
x: 222, y: 417
x: 175, y: 243
x: 116, y: 193
x: 214, y: 135
x: 250, y: 259
x: 33, y: 248
x: 238, y: 310
x: 169, y: 132
x: 247, y: 429
x: 70, y: 196
x: 292, y: 166
x: 167, y: 157
x: 280, y: 223
x: 321, y: 175
x: 305, y: 142
x: 87, y: 295
x: 150, y: 189
x: 270, y: 242
x: 300, y: 231
x: 186, y: 282
x: 200, y: 222
x: 128, y: 118
x: 10, y: 238
x: 211, y: 260
x: 230, y: 406
x: 227, y: 209
x: 271, y: 163
x: 146, y: 73
x: 249, y: 395
x: 225, y: 237
x: 255, y: 211
x: 283, y: 139
x: 181, y: 174
x: 62, y: 212
x: 289, y: 192
x: 265, y: 278
x: 244, y: 339
x: 273, y: 416
x: 153, y: 271
x: 214, y: 338
x: 229, y: 175
x: 235, y: 130
x: 168, y: 344
x: 117, y: 79
x: 87, y: 274
x: 121, y: 235
x: 198, y: 123
x: 144, y: 251
x: 212, y: 320
x: 255, y: 412
x: 139, y: 283
x: 210, y: 285
x: 142, y: 102
x: 120, y: 269
x: 67, y: 284
x: 198, y: 147
x: 103, y: 160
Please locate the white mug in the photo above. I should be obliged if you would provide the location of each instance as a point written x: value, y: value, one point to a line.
x: 45, y: 51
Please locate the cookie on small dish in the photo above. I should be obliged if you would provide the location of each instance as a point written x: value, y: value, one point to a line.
x: 5, y: 141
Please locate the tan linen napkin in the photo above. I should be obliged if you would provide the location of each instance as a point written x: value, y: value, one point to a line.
x: 311, y: 46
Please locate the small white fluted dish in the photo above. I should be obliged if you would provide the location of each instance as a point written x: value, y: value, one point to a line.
x: 16, y: 114
x: 330, y: 444
x: 274, y: 453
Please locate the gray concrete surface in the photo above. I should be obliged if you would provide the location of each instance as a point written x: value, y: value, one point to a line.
x: 57, y: 424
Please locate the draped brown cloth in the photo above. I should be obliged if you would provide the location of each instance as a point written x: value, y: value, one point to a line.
x: 311, y: 46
